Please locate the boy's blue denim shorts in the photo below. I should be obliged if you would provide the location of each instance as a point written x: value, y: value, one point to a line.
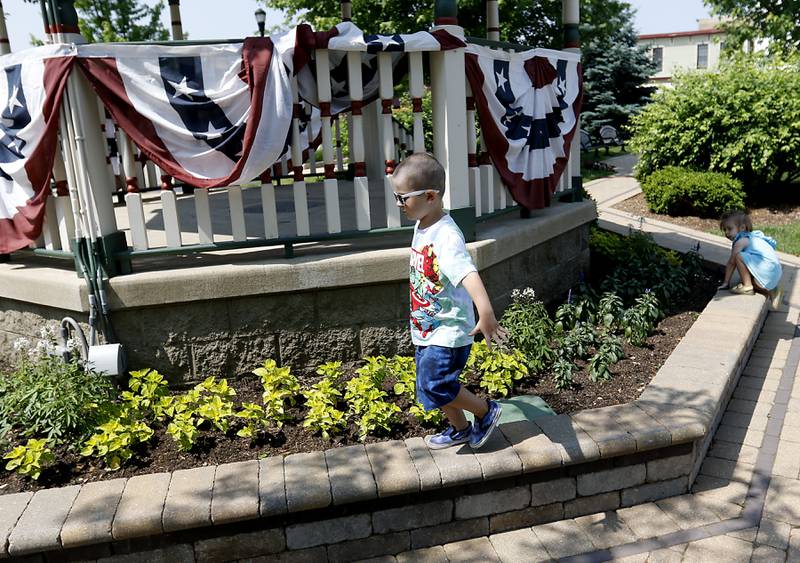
x: 438, y: 369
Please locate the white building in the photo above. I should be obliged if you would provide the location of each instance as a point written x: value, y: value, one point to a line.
x: 685, y: 50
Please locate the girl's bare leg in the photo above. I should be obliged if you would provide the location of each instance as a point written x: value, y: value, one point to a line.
x: 465, y: 400
x: 744, y: 273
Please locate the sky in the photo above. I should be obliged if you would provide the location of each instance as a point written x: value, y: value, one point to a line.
x: 23, y: 19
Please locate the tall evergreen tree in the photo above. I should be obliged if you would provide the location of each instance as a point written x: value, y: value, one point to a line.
x: 615, y: 69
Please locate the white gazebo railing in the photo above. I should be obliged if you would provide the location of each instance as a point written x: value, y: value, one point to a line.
x: 349, y: 197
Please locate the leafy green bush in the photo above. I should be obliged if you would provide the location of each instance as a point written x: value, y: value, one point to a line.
x: 280, y: 390
x: 631, y: 265
x: 116, y: 438
x: 678, y: 191
x: 743, y: 120
x: 404, y: 371
x: 498, y: 369
x: 530, y: 329
x: 367, y: 399
x: 30, y: 459
x: 47, y: 397
x: 321, y: 401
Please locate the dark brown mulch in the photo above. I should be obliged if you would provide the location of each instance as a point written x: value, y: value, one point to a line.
x: 773, y: 214
x: 631, y: 375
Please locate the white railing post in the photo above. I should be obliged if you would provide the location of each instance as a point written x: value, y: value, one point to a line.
x: 386, y: 93
x: 356, y: 129
x: 330, y: 184
x: 299, y: 183
x: 472, y: 156
x: 416, y: 89
x: 571, y: 16
x: 448, y: 88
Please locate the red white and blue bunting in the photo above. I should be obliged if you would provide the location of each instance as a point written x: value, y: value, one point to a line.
x: 528, y: 105
x: 220, y: 114
x: 32, y: 83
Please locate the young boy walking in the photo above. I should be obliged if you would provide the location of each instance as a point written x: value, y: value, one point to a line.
x: 444, y: 283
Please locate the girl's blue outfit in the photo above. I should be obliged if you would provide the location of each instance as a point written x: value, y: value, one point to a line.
x: 761, y: 259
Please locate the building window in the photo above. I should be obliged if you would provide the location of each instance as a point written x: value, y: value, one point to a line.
x: 658, y: 58
x: 702, y: 56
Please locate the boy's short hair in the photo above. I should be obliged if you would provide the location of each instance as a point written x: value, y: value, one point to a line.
x: 420, y: 171
x: 738, y: 218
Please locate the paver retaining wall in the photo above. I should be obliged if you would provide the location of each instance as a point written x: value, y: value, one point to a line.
x: 386, y: 498
x: 227, y: 319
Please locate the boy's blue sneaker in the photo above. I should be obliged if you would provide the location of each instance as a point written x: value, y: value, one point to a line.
x: 449, y: 437
x: 483, y: 427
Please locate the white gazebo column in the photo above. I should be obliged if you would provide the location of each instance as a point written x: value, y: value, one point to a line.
x: 572, y: 43
x: 449, y: 96
x: 492, y: 20
x: 175, y: 18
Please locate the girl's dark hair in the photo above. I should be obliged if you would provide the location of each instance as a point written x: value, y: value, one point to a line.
x: 739, y: 217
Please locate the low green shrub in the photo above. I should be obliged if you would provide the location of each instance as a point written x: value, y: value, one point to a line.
x: 322, y: 399
x: 742, y: 120
x: 632, y: 265
x: 48, y: 397
x: 30, y: 459
x: 530, y: 329
x: 498, y: 369
x: 368, y: 403
x: 680, y: 191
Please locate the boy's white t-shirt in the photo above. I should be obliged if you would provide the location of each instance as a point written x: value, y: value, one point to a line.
x: 441, y: 309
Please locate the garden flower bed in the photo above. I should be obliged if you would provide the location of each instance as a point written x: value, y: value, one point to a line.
x: 268, y: 415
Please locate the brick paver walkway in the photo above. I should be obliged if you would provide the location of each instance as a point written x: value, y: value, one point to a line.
x: 745, y: 502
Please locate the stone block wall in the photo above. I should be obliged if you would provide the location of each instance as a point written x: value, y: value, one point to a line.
x: 393, y: 525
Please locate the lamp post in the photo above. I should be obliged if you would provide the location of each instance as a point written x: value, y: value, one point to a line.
x: 261, y: 16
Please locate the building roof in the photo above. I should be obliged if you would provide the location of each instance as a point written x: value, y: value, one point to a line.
x: 681, y: 34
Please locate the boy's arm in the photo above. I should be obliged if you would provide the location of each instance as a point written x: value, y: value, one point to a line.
x: 487, y: 323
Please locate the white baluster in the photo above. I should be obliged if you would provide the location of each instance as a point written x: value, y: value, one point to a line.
x: 202, y: 206
x: 487, y: 180
x: 339, y: 155
x: 360, y: 182
x: 50, y: 236
x: 299, y: 184
x: 330, y: 184
x: 66, y: 221
x: 169, y: 210
x: 386, y: 91
x: 236, y: 206
x: 268, y: 207
x: 416, y: 90
x: 473, y: 173
x: 312, y: 153
x: 136, y: 221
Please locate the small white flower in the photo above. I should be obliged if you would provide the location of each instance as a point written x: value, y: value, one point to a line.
x: 47, y: 332
x: 21, y: 343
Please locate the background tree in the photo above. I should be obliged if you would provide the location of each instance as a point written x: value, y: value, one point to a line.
x: 615, y: 69
x: 536, y: 22
x: 119, y: 20
x: 749, y: 20
x: 743, y: 120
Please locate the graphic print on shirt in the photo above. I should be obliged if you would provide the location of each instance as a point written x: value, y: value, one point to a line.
x: 425, y: 284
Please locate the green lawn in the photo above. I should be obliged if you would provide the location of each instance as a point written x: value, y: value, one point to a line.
x: 788, y: 236
x: 588, y: 174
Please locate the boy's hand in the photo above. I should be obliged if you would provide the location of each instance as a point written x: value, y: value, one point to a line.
x: 491, y: 331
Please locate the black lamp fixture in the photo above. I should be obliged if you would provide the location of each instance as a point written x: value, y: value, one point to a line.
x: 261, y: 17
